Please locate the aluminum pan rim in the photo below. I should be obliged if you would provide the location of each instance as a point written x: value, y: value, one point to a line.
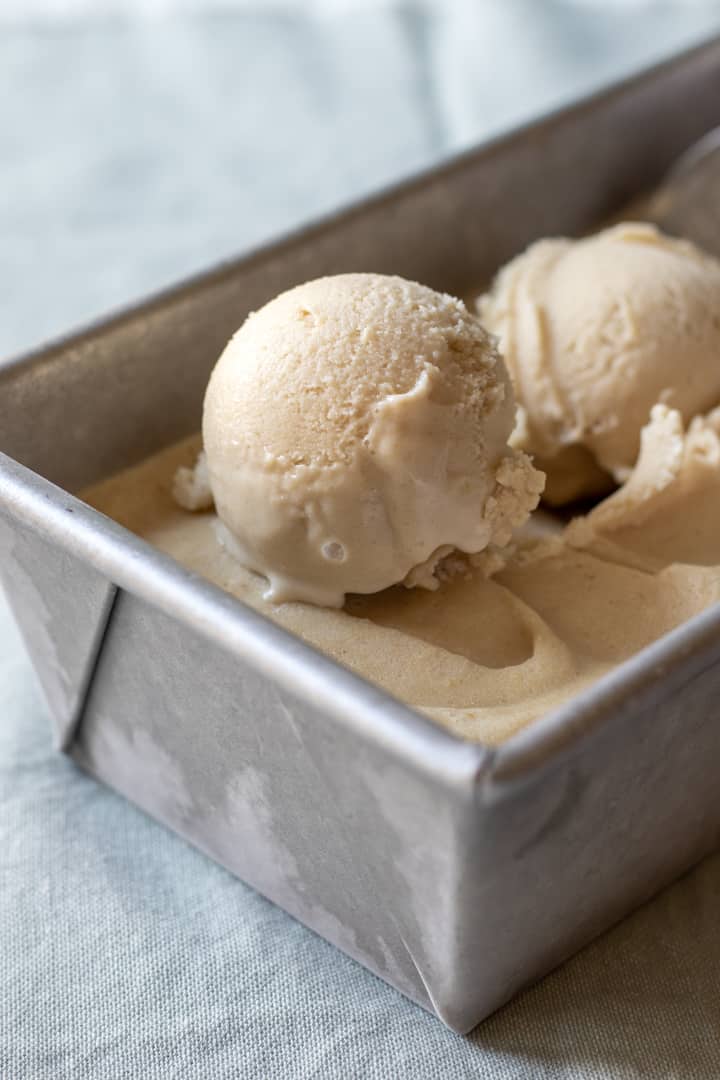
x: 134, y: 564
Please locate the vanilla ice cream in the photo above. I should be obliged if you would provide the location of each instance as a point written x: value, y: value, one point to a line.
x: 486, y: 655
x: 378, y: 423
x: 596, y: 332
x: 355, y: 431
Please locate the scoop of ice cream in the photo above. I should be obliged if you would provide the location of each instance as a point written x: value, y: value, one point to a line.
x: 355, y: 431
x: 597, y: 331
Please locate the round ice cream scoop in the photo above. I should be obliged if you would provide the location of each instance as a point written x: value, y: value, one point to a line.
x: 597, y: 331
x: 355, y: 431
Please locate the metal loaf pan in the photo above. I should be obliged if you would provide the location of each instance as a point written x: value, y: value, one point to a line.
x: 459, y: 873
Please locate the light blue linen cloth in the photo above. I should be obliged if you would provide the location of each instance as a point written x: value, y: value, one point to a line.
x: 133, y: 150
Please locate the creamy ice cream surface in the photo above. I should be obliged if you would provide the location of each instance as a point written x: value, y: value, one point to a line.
x: 487, y: 653
x: 370, y: 409
x: 596, y: 332
x: 355, y: 431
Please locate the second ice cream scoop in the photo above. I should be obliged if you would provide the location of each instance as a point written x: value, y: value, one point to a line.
x: 355, y: 431
x: 597, y: 331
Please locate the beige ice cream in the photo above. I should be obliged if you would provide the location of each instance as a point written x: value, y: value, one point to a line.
x: 355, y: 432
x: 486, y: 655
x: 509, y: 633
x: 597, y: 331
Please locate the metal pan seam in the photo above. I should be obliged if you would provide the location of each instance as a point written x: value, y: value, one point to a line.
x: 71, y: 728
x: 138, y: 568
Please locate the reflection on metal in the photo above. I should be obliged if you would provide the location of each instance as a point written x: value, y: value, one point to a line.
x: 456, y: 872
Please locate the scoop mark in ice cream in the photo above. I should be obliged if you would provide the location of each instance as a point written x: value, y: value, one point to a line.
x: 513, y: 631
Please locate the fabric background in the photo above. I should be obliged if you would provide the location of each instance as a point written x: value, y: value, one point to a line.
x: 139, y: 141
